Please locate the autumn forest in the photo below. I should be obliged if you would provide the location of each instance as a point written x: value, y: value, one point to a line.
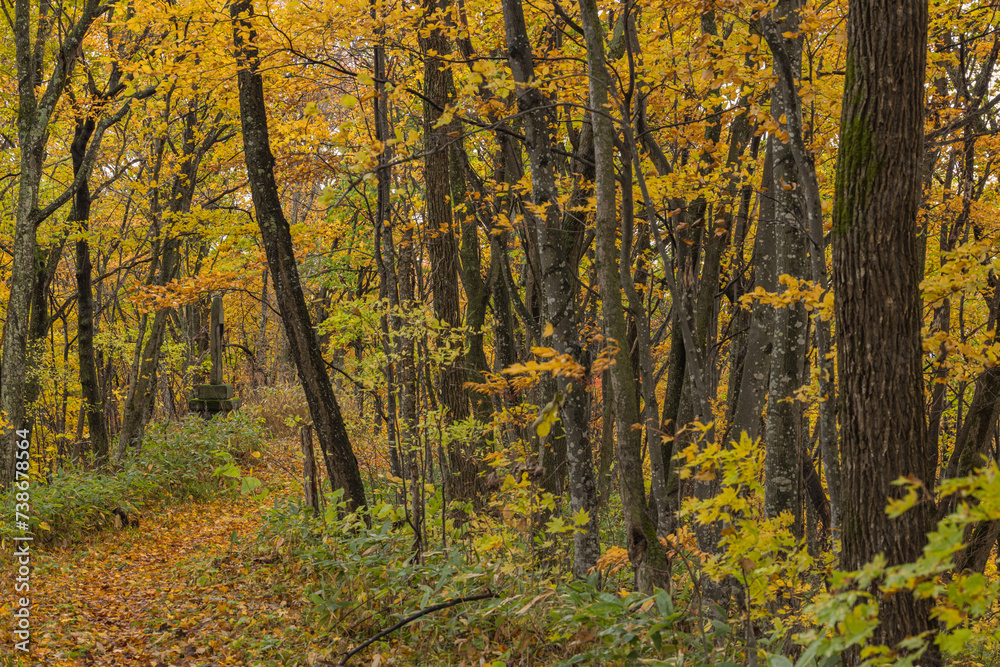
x: 493, y: 332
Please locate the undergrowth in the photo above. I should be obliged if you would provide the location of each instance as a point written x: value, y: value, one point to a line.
x: 281, y: 409
x: 781, y: 606
x: 175, y: 463
x: 361, y: 579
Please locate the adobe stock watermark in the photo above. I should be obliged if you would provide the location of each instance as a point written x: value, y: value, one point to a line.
x: 22, y: 550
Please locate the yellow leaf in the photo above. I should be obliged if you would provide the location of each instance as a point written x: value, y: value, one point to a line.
x: 43, y: 525
x: 706, y: 474
x: 348, y: 101
x: 549, y: 329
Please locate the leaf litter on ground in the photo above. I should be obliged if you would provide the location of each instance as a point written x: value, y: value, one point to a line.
x: 185, y: 588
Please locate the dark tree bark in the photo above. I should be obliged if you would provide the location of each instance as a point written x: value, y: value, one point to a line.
x: 40, y: 322
x: 441, y: 246
x: 341, y: 464
x: 477, y: 295
x: 878, y: 309
x: 89, y: 387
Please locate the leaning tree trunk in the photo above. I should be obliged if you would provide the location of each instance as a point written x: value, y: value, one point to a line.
x: 141, y: 400
x: 878, y: 309
x: 341, y: 464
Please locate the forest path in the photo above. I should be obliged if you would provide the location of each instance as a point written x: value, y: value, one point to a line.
x: 185, y: 588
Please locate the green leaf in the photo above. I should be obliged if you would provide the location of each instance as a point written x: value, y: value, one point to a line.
x: 249, y: 485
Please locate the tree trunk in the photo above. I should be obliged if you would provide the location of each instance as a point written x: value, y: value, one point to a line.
x: 782, y: 468
x: 441, y: 245
x: 645, y: 551
x: 878, y: 308
x: 477, y: 295
x: 342, y: 466
x: 141, y: 400
x: 92, y: 403
x: 787, y: 54
x: 36, y: 105
x: 557, y: 242
x: 756, y: 375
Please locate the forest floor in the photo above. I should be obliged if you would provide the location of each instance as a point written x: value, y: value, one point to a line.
x: 187, y: 587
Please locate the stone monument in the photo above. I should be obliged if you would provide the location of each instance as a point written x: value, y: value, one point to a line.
x: 215, y: 397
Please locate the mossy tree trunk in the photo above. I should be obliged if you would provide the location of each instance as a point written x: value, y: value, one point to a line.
x: 878, y: 307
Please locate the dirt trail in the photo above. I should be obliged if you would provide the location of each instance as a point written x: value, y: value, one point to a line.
x: 182, y: 589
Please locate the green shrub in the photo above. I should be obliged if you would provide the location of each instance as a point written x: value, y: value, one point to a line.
x: 176, y: 463
x: 354, y: 576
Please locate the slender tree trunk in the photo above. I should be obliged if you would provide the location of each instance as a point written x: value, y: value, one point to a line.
x: 558, y: 255
x: 477, y: 296
x: 141, y: 400
x: 341, y: 464
x: 642, y: 347
x: 33, y: 116
x: 787, y: 54
x: 756, y: 374
x: 979, y: 426
x: 782, y: 467
x: 644, y: 351
x: 645, y: 551
x: 39, y: 323
x: 878, y: 309
x: 396, y: 271
x: 92, y: 404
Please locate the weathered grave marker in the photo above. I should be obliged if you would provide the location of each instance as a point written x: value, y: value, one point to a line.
x: 216, y: 396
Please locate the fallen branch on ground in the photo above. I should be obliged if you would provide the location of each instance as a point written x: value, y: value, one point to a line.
x: 409, y: 619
